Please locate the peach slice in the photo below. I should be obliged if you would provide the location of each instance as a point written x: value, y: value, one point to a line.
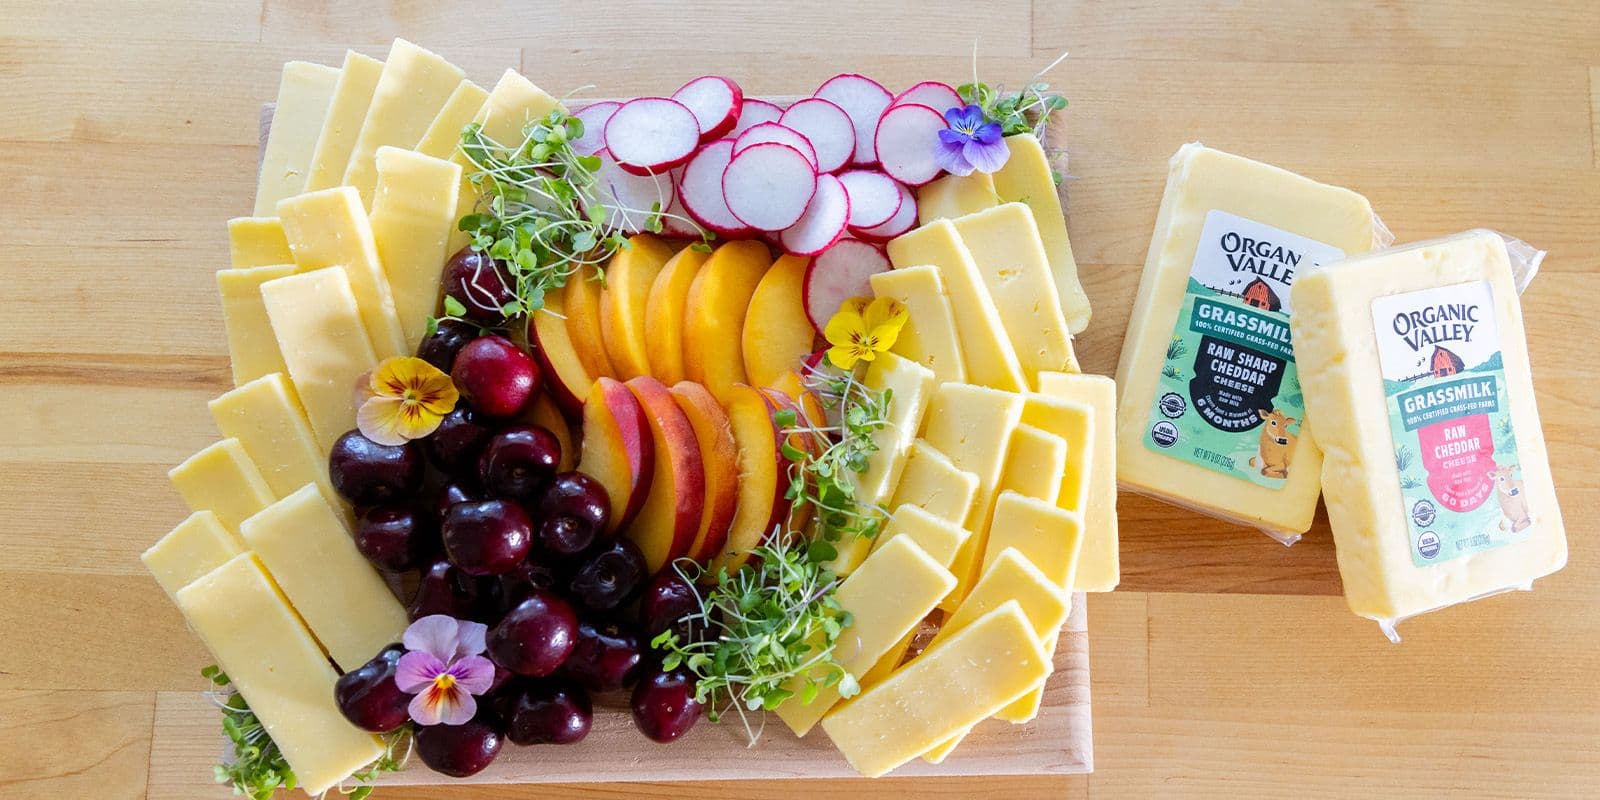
x: 664, y: 313
x: 791, y: 384
x: 666, y: 526
x: 808, y: 411
x: 763, y: 476
x: 720, y: 455
x: 544, y: 412
x: 712, y: 351
x: 777, y: 332
x: 566, y: 376
x: 582, y: 296
x: 619, y: 450
x: 629, y: 276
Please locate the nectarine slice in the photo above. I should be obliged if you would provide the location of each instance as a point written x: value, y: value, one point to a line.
x: 720, y: 455
x: 666, y: 526
x: 712, y: 335
x: 582, y: 296
x: 544, y: 412
x: 664, y: 313
x: 763, y: 476
x: 777, y: 332
x: 629, y: 276
x: 618, y: 449
x: 567, y: 378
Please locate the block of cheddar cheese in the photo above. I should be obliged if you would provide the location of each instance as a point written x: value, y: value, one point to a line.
x: 1211, y: 413
x: 1435, y: 472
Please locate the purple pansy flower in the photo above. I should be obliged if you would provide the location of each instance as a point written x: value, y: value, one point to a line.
x: 971, y: 142
x: 444, y: 668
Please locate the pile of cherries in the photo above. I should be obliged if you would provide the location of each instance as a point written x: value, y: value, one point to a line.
x: 479, y: 511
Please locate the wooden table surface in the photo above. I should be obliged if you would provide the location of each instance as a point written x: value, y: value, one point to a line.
x: 1225, y: 666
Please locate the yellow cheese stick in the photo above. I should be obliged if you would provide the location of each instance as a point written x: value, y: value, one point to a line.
x: 929, y: 336
x: 1035, y: 463
x: 266, y: 417
x: 941, y: 539
x: 325, y: 347
x: 940, y: 694
x: 444, y: 132
x: 931, y: 482
x: 330, y: 229
x: 252, y: 349
x: 352, y: 96
x: 1046, y: 535
x: 1075, y: 423
x: 304, y: 93
x: 198, y: 545
x: 1005, y: 245
x: 411, y: 90
x: 1028, y: 178
x: 413, y: 213
x: 257, y: 241
x: 222, y: 479
x: 1099, y: 569
x: 955, y: 196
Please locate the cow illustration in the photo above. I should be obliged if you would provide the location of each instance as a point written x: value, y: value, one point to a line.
x: 1513, y: 503
x: 1277, y: 444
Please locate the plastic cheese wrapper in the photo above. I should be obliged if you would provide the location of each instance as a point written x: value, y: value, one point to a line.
x: 1211, y: 414
x: 1434, y: 472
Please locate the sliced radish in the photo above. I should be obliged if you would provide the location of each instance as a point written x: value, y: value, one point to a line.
x: 839, y: 274
x: 828, y: 129
x: 864, y: 99
x: 768, y: 186
x: 652, y: 135
x: 874, y: 197
x: 774, y: 132
x: 907, y: 141
x: 715, y: 102
x: 629, y: 198
x: 824, y: 221
x: 755, y: 112
x: 594, y: 119
x: 903, y: 220
x: 677, y: 221
x: 933, y: 94
x: 701, y: 188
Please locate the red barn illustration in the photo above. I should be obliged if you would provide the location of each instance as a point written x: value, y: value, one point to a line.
x: 1260, y: 295
x: 1445, y: 363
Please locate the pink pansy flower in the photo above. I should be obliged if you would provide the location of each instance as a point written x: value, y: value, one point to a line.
x: 444, y: 669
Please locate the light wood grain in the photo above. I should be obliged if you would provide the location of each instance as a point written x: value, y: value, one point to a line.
x: 128, y: 137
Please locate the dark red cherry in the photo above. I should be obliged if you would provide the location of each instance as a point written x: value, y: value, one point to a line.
x: 479, y: 284
x: 394, y: 539
x: 487, y: 537
x: 455, y: 446
x: 550, y: 711
x: 459, y: 750
x: 606, y: 658
x: 369, y: 697
x: 610, y: 577
x: 536, y: 636
x: 519, y: 461
x: 441, y: 346
x: 664, y: 707
x: 667, y: 601
x: 452, y: 493
x: 496, y: 376
x: 370, y: 474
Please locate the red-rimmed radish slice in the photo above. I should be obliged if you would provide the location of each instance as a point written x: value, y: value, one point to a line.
x: 864, y: 99
x: 903, y: 220
x: 767, y: 186
x: 823, y: 223
x: 839, y: 274
x: 826, y: 127
x: 715, y: 102
x: 874, y: 197
x: 594, y: 119
x: 629, y: 198
x: 907, y: 142
x: 677, y: 221
x: 652, y: 135
x: 755, y: 112
x: 700, y: 185
x: 781, y: 134
x: 933, y: 94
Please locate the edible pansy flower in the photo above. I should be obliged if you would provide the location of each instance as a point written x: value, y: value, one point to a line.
x: 403, y: 399
x: 862, y: 329
x: 971, y: 142
x: 444, y: 668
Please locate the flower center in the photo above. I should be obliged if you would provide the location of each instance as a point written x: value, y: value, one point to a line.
x: 445, y: 682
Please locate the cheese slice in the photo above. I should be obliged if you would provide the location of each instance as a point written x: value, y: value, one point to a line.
x: 266, y: 417
x: 940, y: 538
x: 304, y: 93
x: 412, y: 88
x: 352, y: 96
x: 512, y: 104
x: 909, y: 385
x: 1028, y: 178
x: 1035, y: 463
x: 985, y: 348
x: 330, y: 229
x: 956, y: 196
x: 272, y: 660
x: 1099, y: 568
x: 1074, y: 422
x: 1005, y: 246
x: 886, y: 598
x: 931, y: 482
x: 257, y: 242
x: 325, y: 346
x: 1010, y: 578
x: 198, y: 545
x: 303, y: 541
x: 929, y: 336
x: 444, y: 132
x: 1207, y: 356
x: 413, y: 213
x: 222, y: 479
x: 252, y: 350
x: 943, y: 692
x: 1436, y: 475
x: 973, y: 426
x: 1045, y: 535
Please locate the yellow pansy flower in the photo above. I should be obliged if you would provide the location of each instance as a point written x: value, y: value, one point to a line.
x: 862, y: 329
x: 403, y: 399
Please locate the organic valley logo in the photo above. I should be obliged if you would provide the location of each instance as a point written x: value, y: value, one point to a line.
x: 1446, y: 322
x: 1260, y: 257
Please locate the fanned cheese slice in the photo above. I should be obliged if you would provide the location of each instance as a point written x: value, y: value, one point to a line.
x: 304, y: 93
x: 330, y: 228
x: 413, y: 86
x: 252, y: 350
x: 325, y: 346
x: 444, y: 132
x: 257, y: 241
x: 222, y: 479
x: 352, y: 96
x: 512, y: 103
x: 413, y: 213
x: 198, y: 545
